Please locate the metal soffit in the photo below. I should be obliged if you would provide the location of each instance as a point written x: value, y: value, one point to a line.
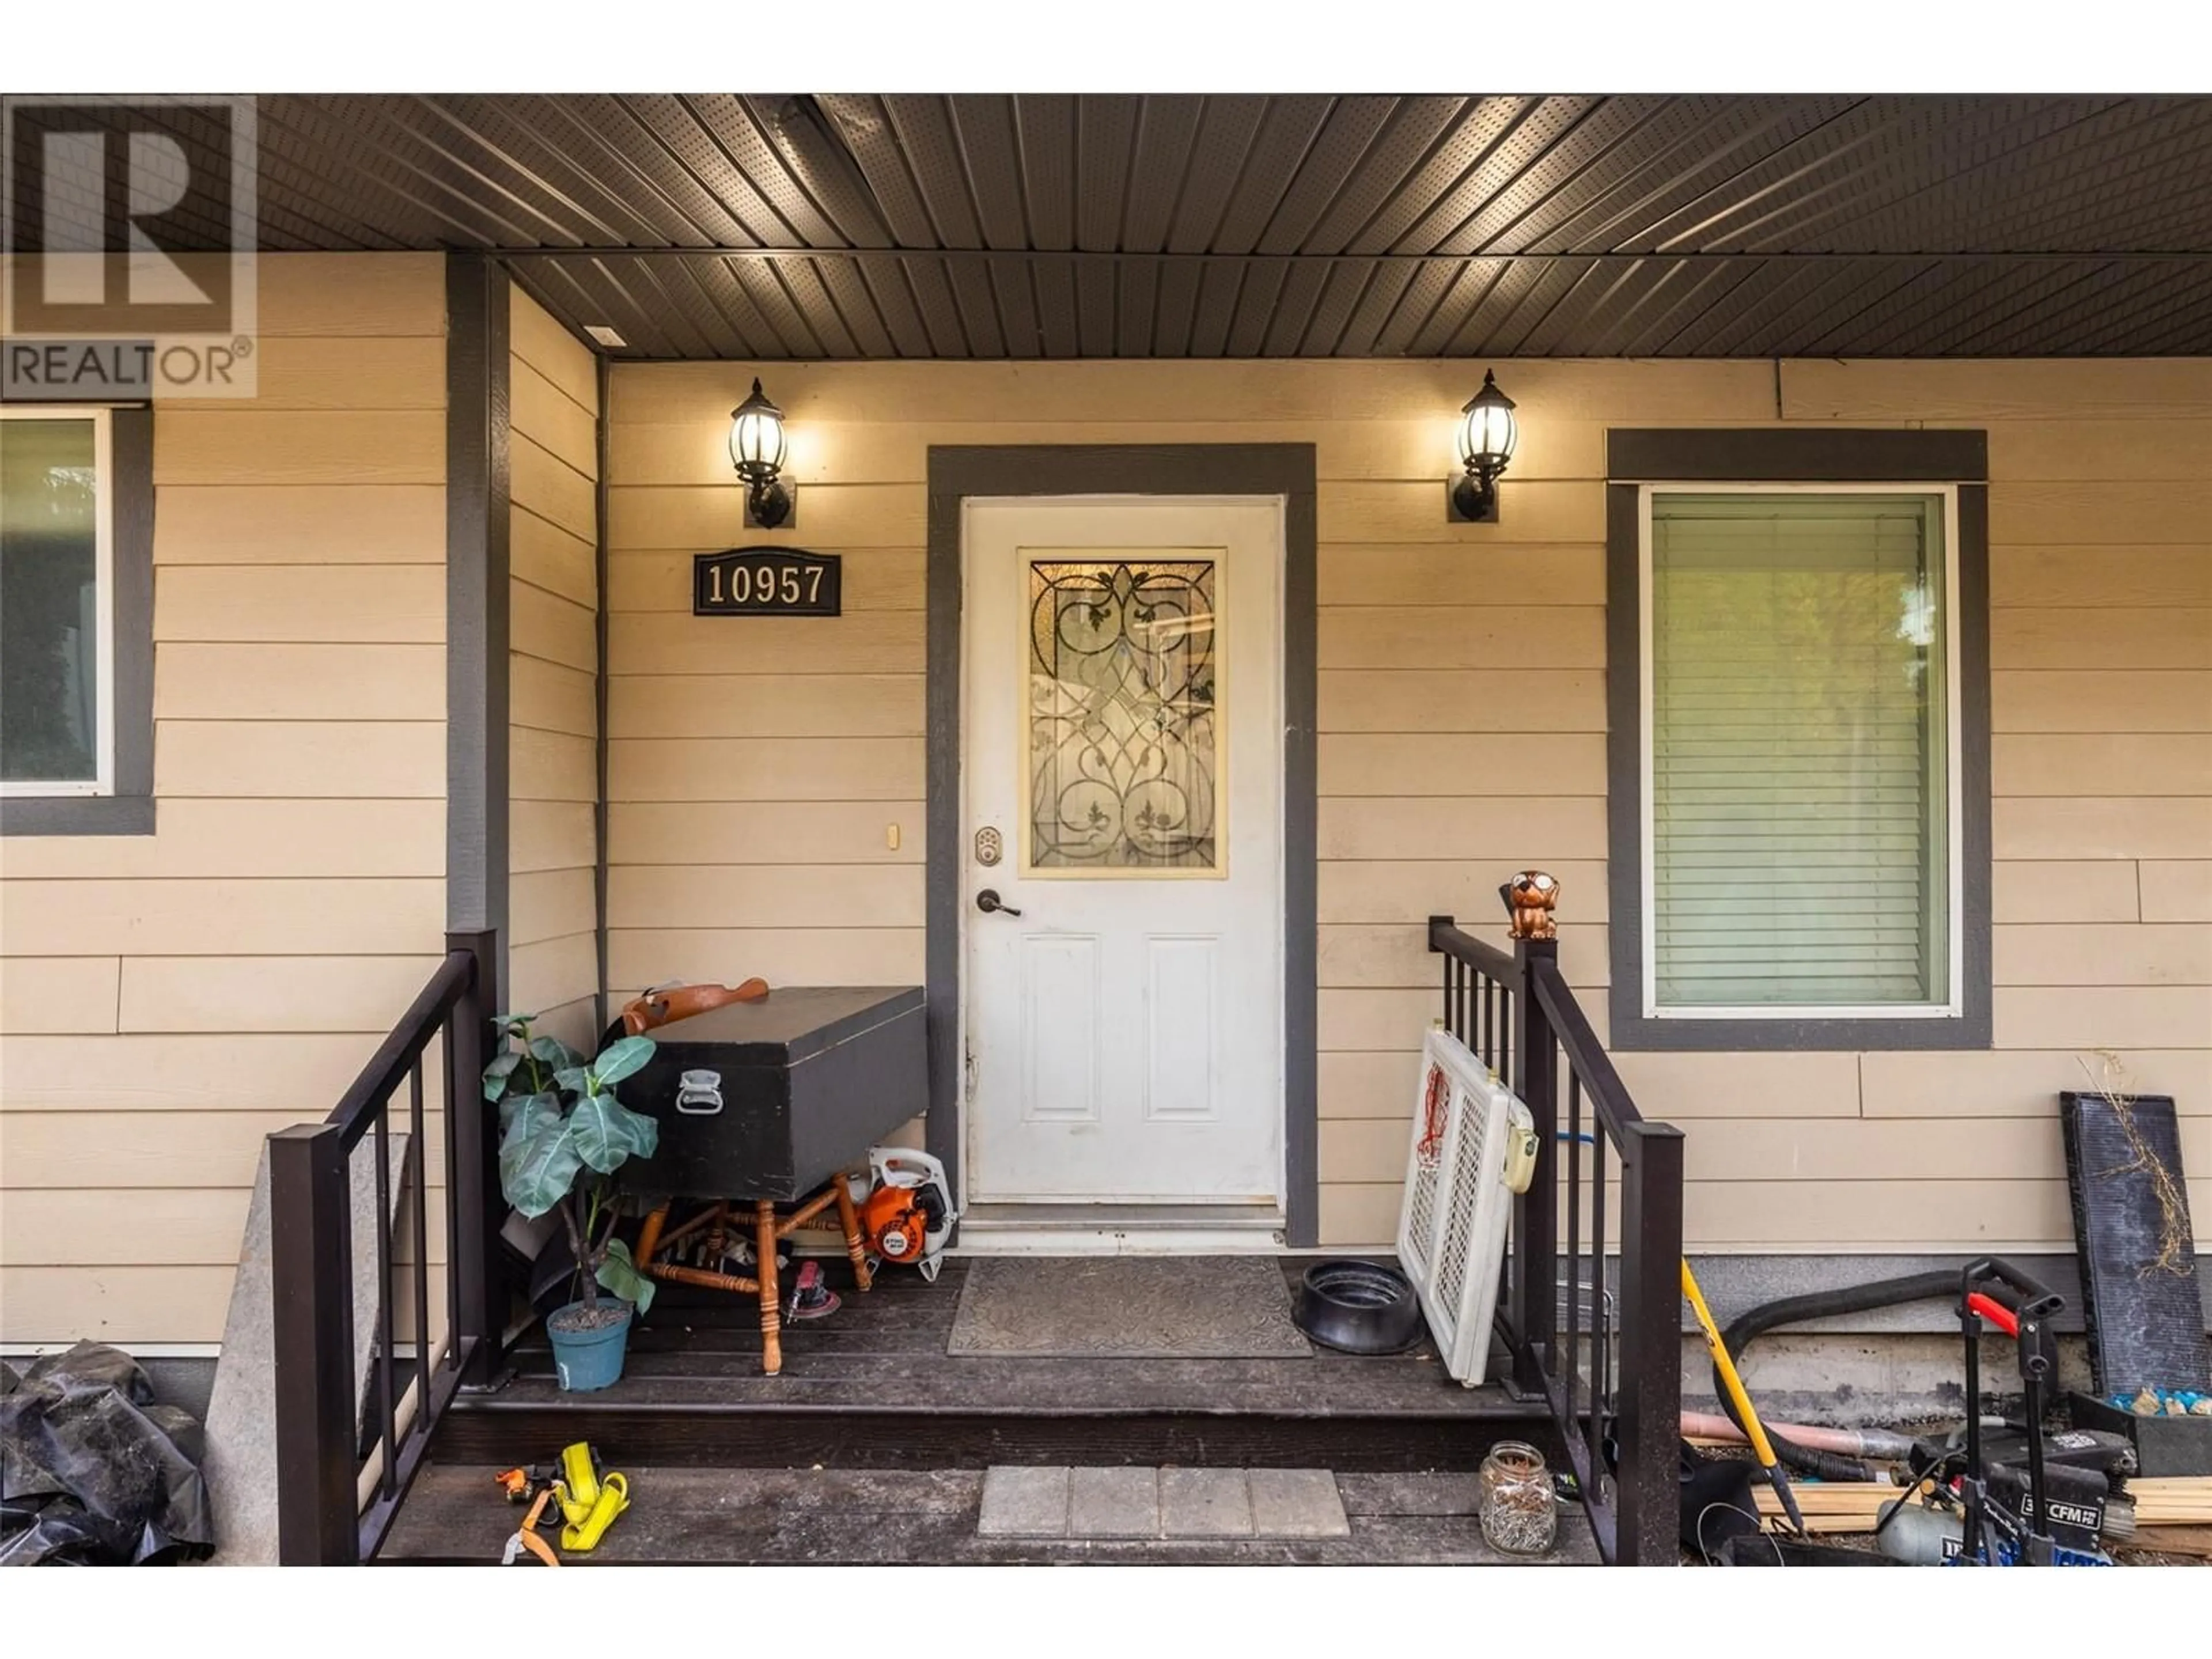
x: 865, y: 226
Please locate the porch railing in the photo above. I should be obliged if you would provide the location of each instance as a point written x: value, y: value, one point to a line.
x: 1609, y: 1369
x: 345, y: 1455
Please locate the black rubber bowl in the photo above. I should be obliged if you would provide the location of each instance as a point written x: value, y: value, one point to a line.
x: 1358, y: 1307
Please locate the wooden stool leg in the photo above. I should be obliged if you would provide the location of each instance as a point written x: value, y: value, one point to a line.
x: 850, y: 1217
x: 648, y: 1235
x: 771, y: 1315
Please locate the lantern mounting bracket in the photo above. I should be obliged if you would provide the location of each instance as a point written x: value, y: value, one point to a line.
x: 771, y: 504
x: 1472, y: 499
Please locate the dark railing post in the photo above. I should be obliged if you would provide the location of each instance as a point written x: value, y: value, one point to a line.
x: 1650, y: 1400
x: 311, y: 1291
x: 1536, y: 1212
x: 478, y: 1317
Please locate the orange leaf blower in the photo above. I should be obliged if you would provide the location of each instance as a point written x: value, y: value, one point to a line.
x: 908, y: 1216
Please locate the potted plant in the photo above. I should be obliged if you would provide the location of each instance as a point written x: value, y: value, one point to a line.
x: 563, y: 1135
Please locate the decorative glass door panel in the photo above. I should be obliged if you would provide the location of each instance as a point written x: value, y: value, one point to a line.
x: 1122, y: 716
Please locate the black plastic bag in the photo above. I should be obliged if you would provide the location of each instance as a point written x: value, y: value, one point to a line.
x: 1715, y: 1495
x: 92, y: 1472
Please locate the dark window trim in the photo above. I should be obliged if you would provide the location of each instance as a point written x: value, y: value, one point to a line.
x: 1285, y: 470
x: 129, y: 809
x: 1824, y: 455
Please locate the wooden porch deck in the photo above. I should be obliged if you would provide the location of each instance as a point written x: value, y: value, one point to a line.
x: 871, y: 1444
x: 872, y: 1387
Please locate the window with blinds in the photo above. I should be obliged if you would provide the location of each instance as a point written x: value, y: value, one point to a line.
x: 1797, y: 739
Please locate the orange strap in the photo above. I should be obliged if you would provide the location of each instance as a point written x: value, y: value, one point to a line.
x: 531, y: 1541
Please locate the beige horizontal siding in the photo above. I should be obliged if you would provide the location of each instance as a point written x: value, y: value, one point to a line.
x: 641, y: 833
x: 191, y: 1072
x: 299, y: 682
x: 160, y: 1151
x: 296, y: 759
x: 1463, y: 731
x: 358, y: 835
x: 253, y: 916
x: 790, y: 706
x: 346, y: 523
x: 172, y: 998
x: 246, y: 445
x: 2177, y: 889
x: 553, y: 755
x: 149, y: 1303
x: 355, y: 604
x: 335, y: 373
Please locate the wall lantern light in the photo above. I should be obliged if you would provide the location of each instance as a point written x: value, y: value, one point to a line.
x: 756, y: 445
x: 1487, y: 433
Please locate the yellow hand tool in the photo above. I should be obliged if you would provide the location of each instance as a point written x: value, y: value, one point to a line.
x: 613, y: 1499
x: 1754, y: 1431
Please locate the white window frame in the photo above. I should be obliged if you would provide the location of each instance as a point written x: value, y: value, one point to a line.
x: 1953, y: 1006
x: 103, y: 461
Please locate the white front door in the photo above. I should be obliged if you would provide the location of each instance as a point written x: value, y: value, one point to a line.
x: 1122, y: 783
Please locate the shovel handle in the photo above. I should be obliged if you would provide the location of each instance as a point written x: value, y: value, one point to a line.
x: 657, y: 1008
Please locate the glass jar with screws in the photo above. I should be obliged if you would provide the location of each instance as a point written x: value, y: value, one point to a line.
x: 1519, y: 1515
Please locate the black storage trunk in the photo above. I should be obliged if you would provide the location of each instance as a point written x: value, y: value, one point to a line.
x: 769, y: 1099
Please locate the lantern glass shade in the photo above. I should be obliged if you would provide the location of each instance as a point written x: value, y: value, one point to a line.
x: 757, y: 438
x: 1488, y: 431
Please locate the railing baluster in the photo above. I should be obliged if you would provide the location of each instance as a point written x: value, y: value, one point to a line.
x: 387, y: 1404
x: 1601, y: 1384
x: 1503, y: 1065
x: 1574, y: 1238
x: 452, y: 1255
x: 418, y: 1164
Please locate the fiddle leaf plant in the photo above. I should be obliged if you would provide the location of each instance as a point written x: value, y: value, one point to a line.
x: 562, y: 1135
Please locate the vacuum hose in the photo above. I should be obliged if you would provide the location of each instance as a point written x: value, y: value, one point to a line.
x: 1827, y: 1304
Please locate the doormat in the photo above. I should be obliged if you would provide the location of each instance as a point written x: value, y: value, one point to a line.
x: 1127, y: 1307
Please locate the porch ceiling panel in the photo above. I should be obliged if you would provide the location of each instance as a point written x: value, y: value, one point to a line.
x: 863, y: 225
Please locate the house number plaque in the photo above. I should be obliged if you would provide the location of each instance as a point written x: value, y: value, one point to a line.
x: 767, y: 581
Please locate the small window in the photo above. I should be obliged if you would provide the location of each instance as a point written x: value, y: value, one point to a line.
x: 1800, y: 745
x: 76, y: 620
x: 57, y: 603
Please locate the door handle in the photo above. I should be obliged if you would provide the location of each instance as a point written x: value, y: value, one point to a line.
x: 989, y: 900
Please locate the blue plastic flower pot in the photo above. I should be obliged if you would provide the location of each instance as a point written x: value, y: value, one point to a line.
x: 590, y: 1358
